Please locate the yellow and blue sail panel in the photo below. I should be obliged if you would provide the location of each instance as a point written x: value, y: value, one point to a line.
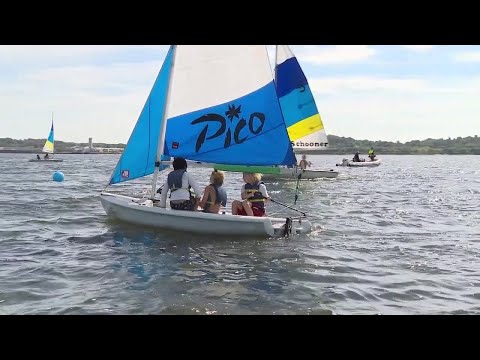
x: 138, y: 157
x: 298, y: 105
x: 49, y: 144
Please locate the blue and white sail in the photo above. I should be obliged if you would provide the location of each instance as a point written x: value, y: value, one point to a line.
x: 223, y: 107
x: 138, y: 158
x: 303, y: 121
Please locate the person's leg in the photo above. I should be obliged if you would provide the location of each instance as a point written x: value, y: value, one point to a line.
x: 236, y: 206
x: 248, y: 209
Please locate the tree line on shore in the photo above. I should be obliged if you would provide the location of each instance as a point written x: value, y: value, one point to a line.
x: 337, y: 145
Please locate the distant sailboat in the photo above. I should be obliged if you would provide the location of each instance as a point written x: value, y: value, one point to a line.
x: 211, y: 104
x: 48, y: 148
x: 302, y: 119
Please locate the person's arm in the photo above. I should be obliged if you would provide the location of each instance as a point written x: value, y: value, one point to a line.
x: 244, y: 193
x: 163, y: 196
x: 263, y: 190
x: 194, y: 185
x: 206, y: 193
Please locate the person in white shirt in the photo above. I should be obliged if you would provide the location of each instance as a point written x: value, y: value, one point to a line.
x: 180, y: 183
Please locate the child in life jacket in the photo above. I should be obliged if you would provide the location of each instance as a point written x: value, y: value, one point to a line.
x: 254, y: 194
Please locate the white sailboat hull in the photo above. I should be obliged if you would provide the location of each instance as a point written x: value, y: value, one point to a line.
x: 284, y: 173
x: 293, y: 173
x: 361, y: 163
x: 47, y: 160
x: 144, y: 213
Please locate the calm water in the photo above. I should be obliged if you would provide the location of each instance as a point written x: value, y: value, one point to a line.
x: 402, y: 238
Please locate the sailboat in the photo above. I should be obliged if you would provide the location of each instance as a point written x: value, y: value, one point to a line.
x: 302, y: 119
x: 48, y: 148
x: 210, y: 104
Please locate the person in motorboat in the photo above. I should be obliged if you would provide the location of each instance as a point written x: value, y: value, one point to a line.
x: 214, y: 195
x: 371, y: 154
x: 356, y: 157
x: 254, y: 194
x: 38, y: 157
x: 180, y: 183
x: 304, y: 163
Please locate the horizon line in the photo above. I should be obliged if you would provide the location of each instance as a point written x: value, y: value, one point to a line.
x: 345, y: 137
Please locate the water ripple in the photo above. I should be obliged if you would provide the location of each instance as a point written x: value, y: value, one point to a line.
x: 398, y: 239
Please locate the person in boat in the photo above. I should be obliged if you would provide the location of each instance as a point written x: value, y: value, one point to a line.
x: 304, y: 163
x: 38, y: 157
x: 356, y: 157
x: 180, y: 183
x: 214, y: 195
x: 371, y: 154
x: 46, y: 156
x: 254, y: 194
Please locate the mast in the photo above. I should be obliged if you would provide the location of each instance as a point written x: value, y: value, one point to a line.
x: 161, y: 137
x: 276, y: 62
x: 278, y: 99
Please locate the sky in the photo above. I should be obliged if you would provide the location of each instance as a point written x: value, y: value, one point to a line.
x: 374, y: 92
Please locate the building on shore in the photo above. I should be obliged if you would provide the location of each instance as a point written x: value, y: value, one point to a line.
x: 90, y: 149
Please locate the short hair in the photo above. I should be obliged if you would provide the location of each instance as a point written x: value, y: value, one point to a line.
x: 218, y: 177
x: 179, y: 163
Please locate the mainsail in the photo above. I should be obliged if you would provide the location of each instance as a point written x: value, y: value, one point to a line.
x: 224, y: 107
x: 304, y: 124
x: 209, y: 103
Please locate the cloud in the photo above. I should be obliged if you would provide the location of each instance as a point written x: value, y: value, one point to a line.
x: 337, y: 54
x: 383, y: 108
x: 99, y: 92
x: 49, y: 55
x: 385, y: 116
x: 95, y: 78
x: 335, y: 85
x: 467, y: 56
x: 419, y: 48
x: 327, y: 55
x: 103, y: 101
